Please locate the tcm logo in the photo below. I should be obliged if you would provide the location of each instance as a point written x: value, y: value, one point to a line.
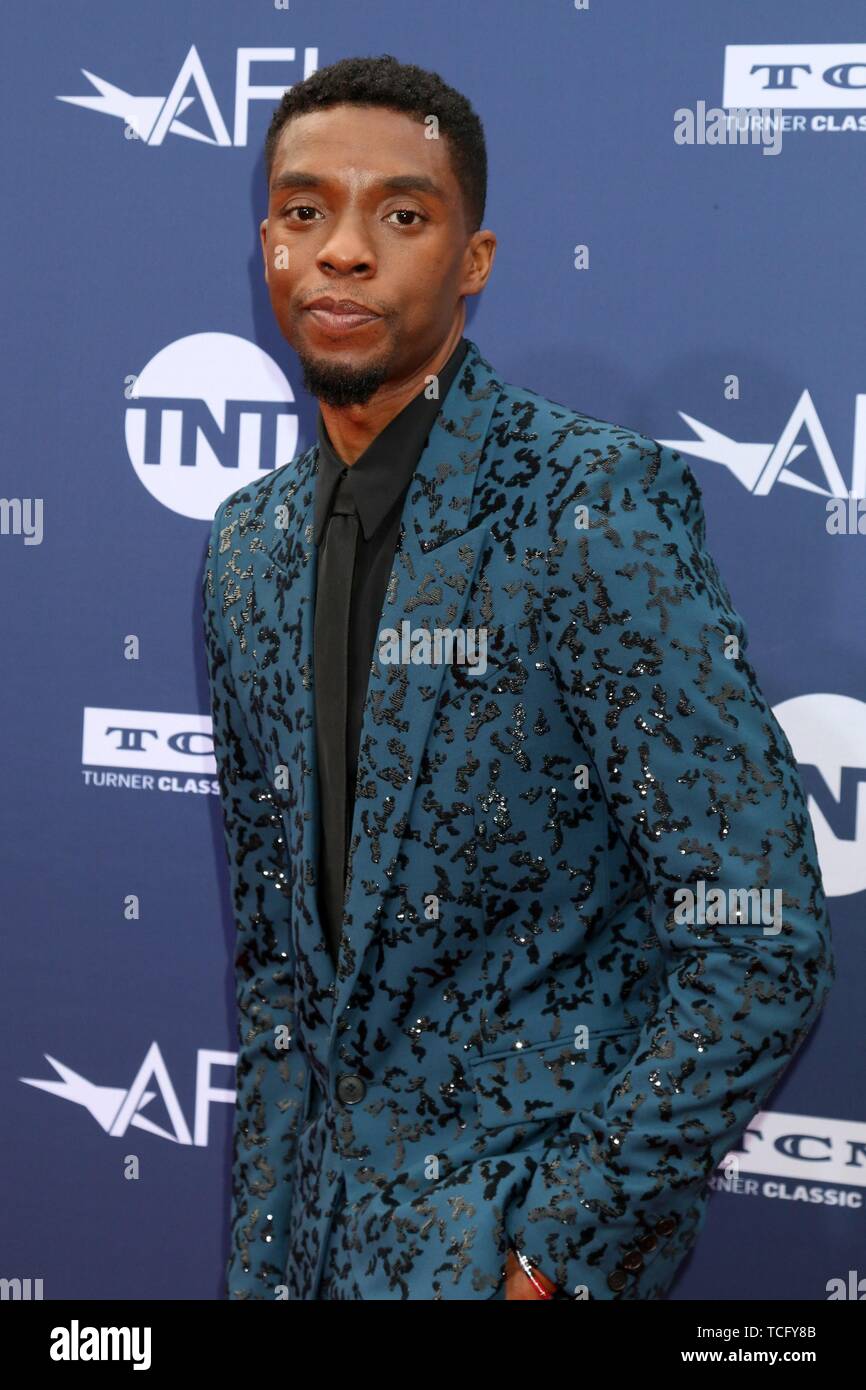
x: 207, y: 415
x: 760, y: 466
x: 802, y: 1147
x: 800, y: 75
x: 152, y: 118
x: 148, y: 740
x: 828, y: 736
x: 117, y: 1109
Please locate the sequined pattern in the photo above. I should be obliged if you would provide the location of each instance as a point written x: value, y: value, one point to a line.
x: 536, y: 1046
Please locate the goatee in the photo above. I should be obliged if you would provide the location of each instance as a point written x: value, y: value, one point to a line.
x: 339, y: 384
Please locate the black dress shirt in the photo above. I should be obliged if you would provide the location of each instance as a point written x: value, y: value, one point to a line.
x: 378, y: 482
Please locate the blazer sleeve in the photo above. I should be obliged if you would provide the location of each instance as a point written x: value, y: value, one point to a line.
x: 271, y: 1072
x: 701, y: 783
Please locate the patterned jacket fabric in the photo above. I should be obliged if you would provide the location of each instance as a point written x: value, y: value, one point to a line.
x: 533, y: 1033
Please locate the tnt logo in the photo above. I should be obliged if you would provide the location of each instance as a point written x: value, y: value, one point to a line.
x: 828, y: 736
x: 208, y: 414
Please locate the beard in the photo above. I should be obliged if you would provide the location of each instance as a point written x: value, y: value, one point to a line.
x: 339, y: 384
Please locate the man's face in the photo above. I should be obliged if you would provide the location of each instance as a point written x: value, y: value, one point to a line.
x: 337, y: 228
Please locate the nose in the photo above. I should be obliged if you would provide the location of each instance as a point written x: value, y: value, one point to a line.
x: 347, y: 250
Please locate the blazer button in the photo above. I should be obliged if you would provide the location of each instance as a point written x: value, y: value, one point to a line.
x: 633, y: 1260
x: 617, y: 1279
x: 350, y: 1089
x: 665, y: 1225
x: 648, y: 1243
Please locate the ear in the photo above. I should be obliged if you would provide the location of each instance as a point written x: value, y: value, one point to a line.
x: 263, y: 232
x: 480, y: 255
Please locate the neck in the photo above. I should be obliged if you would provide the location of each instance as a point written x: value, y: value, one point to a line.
x: 352, y: 429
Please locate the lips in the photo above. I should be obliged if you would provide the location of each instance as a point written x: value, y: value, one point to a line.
x: 340, y: 315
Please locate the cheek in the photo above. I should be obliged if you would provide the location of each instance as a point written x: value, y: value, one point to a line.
x: 282, y: 267
x: 284, y: 264
x: 430, y: 284
x: 281, y: 288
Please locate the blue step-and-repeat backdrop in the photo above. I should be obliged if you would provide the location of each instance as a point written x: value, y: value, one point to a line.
x: 654, y: 268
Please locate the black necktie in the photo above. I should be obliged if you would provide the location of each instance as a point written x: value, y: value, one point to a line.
x: 331, y: 678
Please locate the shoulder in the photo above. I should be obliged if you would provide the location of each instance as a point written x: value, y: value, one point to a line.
x: 569, y: 458
x: 571, y: 436
x: 247, y: 515
x: 259, y: 497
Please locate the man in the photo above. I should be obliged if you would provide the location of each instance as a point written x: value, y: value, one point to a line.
x: 503, y: 800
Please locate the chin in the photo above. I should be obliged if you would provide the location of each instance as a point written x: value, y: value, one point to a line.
x: 338, y: 382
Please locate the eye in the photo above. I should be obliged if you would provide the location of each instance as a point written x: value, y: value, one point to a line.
x: 408, y: 212
x: 307, y: 208
x: 299, y: 207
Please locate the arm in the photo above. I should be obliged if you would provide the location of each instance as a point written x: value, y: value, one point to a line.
x: 701, y: 783
x: 270, y: 1076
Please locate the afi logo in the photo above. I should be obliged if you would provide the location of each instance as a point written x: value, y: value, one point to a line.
x: 759, y: 466
x: 152, y: 118
x: 208, y: 414
x: 118, y: 1108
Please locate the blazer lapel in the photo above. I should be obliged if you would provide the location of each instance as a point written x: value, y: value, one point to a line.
x: 434, y: 566
x: 287, y: 567
x: 435, y: 563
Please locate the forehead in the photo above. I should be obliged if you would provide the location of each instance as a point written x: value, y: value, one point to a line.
x: 351, y: 143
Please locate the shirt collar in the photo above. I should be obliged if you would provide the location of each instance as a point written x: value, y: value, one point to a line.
x: 382, y: 473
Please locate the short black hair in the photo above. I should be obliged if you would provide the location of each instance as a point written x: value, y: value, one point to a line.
x: 402, y: 87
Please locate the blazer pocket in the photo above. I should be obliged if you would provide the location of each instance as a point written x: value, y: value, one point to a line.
x: 504, y: 662
x: 533, y: 1083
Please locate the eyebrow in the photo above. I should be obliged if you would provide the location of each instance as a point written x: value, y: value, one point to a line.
x: 397, y: 183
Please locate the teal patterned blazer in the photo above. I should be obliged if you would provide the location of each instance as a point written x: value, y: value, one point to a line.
x: 527, y: 1037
